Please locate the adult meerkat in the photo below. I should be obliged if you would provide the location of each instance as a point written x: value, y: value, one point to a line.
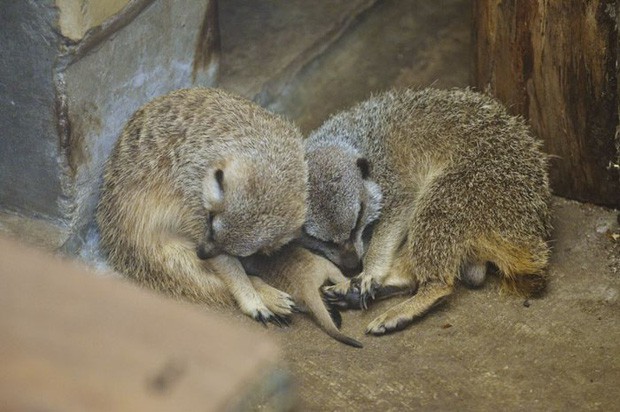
x: 301, y: 273
x: 198, y: 178
x: 463, y: 183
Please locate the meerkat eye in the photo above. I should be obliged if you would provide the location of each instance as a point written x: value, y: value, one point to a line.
x: 219, y: 177
x: 210, y: 218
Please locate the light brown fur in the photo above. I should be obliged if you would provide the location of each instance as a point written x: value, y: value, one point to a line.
x: 200, y: 171
x: 463, y: 183
x: 302, y: 273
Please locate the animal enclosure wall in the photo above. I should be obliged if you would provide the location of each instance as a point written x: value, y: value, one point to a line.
x: 555, y: 63
x: 77, y: 71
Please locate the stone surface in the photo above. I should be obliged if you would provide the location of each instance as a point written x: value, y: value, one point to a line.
x: 40, y: 233
x: 265, y: 43
x: 29, y: 151
x: 76, y: 17
x: 395, y: 44
x: 147, y: 58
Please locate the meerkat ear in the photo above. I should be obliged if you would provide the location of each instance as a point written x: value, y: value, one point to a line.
x: 213, y: 188
x: 364, y: 166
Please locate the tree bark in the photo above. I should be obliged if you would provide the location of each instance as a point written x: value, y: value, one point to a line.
x: 554, y: 62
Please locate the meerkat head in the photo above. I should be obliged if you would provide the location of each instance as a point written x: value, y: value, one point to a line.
x: 253, y: 205
x: 343, y: 203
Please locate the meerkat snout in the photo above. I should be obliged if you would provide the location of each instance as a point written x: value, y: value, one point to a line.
x: 336, y: 223
x: 229, y: 188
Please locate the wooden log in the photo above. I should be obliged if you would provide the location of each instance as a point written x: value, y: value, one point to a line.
x: 554, y: 62
x: 71, y: 341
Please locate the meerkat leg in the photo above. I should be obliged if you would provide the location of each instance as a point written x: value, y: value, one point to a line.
x: 174, y: 268
x: 399, y: 280
x: 334, y: 275
x: 280, y: 303
x: 230, y: 270
x: 358, y: 291
x: 401, y: 315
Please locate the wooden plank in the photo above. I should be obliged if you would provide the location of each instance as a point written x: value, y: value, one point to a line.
x: 554, y: 62
x: 72, y: 341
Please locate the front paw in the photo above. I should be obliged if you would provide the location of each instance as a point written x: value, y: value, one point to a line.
x: 264, y: 316
x: 366, y: 288
x: 352, y: 294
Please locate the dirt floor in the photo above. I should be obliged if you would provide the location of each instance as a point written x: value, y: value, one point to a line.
x: 483, y: 350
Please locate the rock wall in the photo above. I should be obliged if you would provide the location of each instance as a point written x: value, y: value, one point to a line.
x: 68, y: 89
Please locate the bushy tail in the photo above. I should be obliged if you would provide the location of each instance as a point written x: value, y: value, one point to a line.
x: 523, y: 268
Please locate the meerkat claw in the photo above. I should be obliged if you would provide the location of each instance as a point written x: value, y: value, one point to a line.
x: 349, y: 299
x: 260, y: 318
x: 277, y: 320
x: 364, y: 289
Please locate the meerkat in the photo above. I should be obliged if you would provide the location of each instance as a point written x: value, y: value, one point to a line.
x: 462, y: 183
x: 198, y: 178
x: 301, y: 273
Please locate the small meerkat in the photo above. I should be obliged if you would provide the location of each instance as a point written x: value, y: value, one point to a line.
x: 301, y: 273
x: 198, y: 178
x: 461, y: 183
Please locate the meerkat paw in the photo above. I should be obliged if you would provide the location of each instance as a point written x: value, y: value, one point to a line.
x: 257, y: 311
x: 400, y: 316
x: 366, y: 287
x: 279, y: 303
x: 341, y: 295
x: 355, y: 293
x: 390, y: 321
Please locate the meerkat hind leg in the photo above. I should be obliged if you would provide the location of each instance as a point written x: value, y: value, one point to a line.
x: 401, y: 315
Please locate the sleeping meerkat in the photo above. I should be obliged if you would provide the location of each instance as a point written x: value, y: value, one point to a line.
x: 463, y: 183
x: 198, y: 178
x: 301, y: 273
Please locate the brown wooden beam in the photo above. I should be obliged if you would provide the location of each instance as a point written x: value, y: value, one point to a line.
x: 72, y: 341
x: 554, y: 62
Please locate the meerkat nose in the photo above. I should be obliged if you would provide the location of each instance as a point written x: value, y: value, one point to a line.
x: 350, y: 260
x: 207, y: 251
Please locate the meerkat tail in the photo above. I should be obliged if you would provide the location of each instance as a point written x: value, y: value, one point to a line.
x: 522, y: 268
x: 318, y: 309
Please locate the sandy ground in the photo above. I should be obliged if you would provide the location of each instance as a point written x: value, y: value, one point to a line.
x: 482, y: 350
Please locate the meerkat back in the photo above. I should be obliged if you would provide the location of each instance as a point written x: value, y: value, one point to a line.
x: 463, y: 183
